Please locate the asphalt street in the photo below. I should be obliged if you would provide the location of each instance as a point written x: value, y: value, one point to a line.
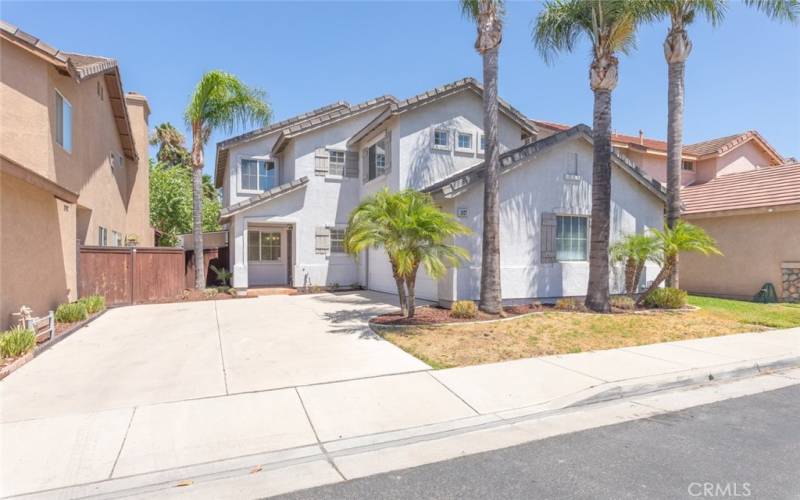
x: 740, y: 448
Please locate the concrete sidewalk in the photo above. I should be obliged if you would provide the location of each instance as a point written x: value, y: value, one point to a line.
x: 125, y: 448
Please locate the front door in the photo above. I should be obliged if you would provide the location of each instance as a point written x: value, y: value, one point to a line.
x: 267, y: 256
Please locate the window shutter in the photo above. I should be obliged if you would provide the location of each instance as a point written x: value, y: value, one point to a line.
x: 323, y: 240
x: 365, y: 165
x: 388, y: 143
x: 321, y: 161
x: 351, y: 164
x: 548, y: 238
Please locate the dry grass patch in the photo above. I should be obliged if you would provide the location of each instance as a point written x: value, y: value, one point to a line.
x: 560, y: 332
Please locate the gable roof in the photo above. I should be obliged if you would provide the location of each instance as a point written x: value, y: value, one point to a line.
x: 465, y: 84
x: 80, y: 67
x: 454, y: 184
x: 264, y: 197
x: 697, y: 151
x: 763, y: 187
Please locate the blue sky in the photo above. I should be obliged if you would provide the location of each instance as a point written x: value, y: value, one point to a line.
x: 744, y: 74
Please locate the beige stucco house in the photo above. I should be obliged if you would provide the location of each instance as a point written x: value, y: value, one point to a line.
x: 73, y: 151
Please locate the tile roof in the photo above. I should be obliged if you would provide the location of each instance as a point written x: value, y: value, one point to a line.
x: 764, y: 187
x: 86, y: 66
x: 462, y: 178
x: 264, y: 197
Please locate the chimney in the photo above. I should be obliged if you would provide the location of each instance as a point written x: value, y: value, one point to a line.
x: 641, y: 137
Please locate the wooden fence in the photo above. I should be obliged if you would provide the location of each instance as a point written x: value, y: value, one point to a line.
x: 217, y: 257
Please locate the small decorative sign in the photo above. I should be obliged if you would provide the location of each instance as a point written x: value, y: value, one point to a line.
x: 462, y: 212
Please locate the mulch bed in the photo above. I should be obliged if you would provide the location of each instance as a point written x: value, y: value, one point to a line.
x: 434, y: 315
x: 194, y: 295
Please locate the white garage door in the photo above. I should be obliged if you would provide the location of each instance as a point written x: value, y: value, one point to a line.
x: 381, y: 280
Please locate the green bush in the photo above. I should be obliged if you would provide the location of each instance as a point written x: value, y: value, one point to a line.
x: 464, y: 309
x: 93, y: 303
x: 622, y: 302
x: 666, y: 298
x: 70, y: 313
x: 569, y: 304
x: 16, y: 342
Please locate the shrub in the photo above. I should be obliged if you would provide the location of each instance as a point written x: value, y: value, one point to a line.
x: 210, y: 293
x: 666, y: 298
x: 464, y: 309
x: 622, y: 302
x: 569, y: 304
x: 70, y: 313
x: 93, y: 303
x: 16, y: 342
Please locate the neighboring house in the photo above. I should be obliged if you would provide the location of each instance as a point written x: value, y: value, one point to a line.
x: 74, y: 171
x: 288, y: 190
x: 755, y: 218
x: 702, y: 161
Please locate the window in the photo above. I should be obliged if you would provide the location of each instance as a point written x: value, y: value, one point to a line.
x: 258, y: 175
x: 102, y: 236
x: 571, y: 238
x: 688, y: 165
x: 441, y: 139
x: 337, y: 240
x: 337, y: 161
x: 63, y: 122
x: 482, y: 144
x: 116, y: 238
x: 263, y: 246
x: 464, y: 142
x: 377, y: 160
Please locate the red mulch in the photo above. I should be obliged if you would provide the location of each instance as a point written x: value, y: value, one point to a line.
x: 194, y: 295
x: 433, y: 315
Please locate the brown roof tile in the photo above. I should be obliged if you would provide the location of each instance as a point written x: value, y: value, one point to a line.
x: 764, y: 187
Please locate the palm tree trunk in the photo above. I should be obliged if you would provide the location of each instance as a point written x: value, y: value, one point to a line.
x: 197, y: 207
x: 636, y: 278
x: 411, y: 285
x: 630, y: 275
x: 665, y: 271
x: 401, y: 290
x: 597, y: 292
x: 491, y: 296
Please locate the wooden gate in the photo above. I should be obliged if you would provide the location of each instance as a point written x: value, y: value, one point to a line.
x: 131, y: 275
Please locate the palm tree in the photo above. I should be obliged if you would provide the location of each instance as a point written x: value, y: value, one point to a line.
x: 170, y: 142
x: 634, y: 250
x: 488, y: 16
x: 412, y: 231
x: 220, y: 100
x: 677, y: 48
x: 683, y: 237
x: 610, y: 26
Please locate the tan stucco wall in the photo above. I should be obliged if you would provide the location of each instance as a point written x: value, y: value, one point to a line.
x: 37, y: 249
x: 754, y: 246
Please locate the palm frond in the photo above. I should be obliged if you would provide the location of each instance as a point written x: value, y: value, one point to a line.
x: 782, y: 10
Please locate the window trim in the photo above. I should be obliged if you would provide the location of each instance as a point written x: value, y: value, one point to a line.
x: 459, y: 149
x: 479, y: 144
x: 380, y: 139
x: 331, y: 163
x: 260, y: 232
x: 687, y: 162
x: 587, y: 218
x: 441, y: 147
x: 60, y: 125
x: 239, y: 176
x: 102, y: 236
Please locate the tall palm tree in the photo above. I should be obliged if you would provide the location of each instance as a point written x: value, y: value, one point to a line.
x: 610, y: 26
x: 488, y: 16
x: 220, y: 100
x: 683, y: 237
x: 412, y: 231
x: 634, y: 250
x: 677, y: 48
x: 170, y: 142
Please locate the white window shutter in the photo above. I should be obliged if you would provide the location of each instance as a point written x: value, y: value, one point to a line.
x: 365, y: 165
x: 388, y: 150
x: 323, y: 240
x: 351, y: 164
x: 321, y: 157
x: 548, y: 242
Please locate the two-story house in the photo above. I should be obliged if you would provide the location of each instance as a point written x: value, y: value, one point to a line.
x: 73, y: 150
x: 289, y: 188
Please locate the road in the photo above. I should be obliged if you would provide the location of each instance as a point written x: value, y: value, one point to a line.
x: 739, y: 448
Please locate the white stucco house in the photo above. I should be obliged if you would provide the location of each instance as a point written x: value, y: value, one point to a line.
x: 288, y: 190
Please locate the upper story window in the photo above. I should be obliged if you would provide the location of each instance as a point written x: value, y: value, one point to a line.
x: 376, y: 159
x: 258, y: 175
x: 464, y: 142
x: 102, y: 236
x: 116, y: 238
x: 63, y: 122
x: 441, y: 138
x: 337, y: 160
x: 571, y: 237
x: 482, y: 144
x: 688, y: 165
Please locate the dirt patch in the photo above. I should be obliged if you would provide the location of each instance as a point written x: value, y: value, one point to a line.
x: 434, y: 315
x: 555, y: 332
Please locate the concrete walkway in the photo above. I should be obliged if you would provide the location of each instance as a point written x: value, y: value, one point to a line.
x: 292, y: 377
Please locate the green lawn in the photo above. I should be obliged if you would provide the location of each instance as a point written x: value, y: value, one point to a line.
x: 771, y: 315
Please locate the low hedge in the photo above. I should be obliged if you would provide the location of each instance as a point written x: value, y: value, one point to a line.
x: 16, y: 342
x: 72, y: 312
x: 465, y: 309
x: 666, y: 298
x: 93, y: 303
